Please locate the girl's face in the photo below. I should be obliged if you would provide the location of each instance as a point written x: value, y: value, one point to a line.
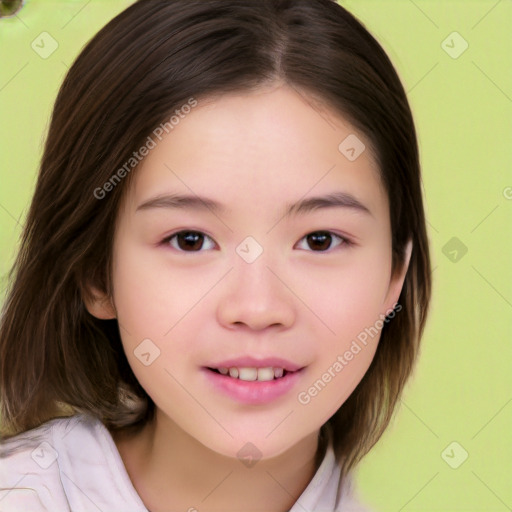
x: 233, y: 272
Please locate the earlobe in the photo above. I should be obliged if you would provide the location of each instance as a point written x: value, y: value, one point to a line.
x: 99, y: 304
x: 397, y: 281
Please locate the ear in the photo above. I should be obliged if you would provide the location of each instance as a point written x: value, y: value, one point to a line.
x: 98, y: 304
x: 397, y: 280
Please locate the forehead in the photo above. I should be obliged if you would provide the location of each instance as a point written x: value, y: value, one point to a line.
x: 269, y: 147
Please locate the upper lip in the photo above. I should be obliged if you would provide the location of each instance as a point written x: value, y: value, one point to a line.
x: 252, y: 362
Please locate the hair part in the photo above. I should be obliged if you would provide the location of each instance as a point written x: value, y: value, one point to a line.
x: 55, y: 358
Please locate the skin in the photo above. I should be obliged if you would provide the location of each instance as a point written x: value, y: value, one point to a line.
x: 255, y: 153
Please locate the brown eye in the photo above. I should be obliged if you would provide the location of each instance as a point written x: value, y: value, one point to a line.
x: 322, y: 241
x: 188, y: 241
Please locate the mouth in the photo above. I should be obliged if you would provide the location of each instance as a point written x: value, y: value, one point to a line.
x: 253, y: 384
x: 251, y: 374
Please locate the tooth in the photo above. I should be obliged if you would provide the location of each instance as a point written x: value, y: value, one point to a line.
x: 265, y: 374
x: 252, y: 374
x: 248, y: 373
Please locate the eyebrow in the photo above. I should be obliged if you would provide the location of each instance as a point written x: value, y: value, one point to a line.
x: 194, y: 202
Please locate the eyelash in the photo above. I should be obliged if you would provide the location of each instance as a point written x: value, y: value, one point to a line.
x: 344, y: 241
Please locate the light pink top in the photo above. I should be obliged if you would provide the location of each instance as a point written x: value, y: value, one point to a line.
x: 73, y: 465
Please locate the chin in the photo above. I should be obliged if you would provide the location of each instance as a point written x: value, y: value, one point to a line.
x: 252, y: 445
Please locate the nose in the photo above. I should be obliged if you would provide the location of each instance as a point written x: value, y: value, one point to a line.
x: 254, y: 296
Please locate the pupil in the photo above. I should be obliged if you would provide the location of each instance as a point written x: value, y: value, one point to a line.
x: 321, y: 241
x: 191, y: 240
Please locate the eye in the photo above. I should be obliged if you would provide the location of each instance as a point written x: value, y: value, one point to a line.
x: 322, y: 241
x: 188, y: 241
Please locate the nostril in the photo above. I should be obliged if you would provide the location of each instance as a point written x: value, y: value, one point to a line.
x: 10, y: 7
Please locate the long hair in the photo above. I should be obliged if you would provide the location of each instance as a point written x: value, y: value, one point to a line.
x: 55, y: 358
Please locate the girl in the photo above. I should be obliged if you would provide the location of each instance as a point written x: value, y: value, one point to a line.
x: 224, y: 275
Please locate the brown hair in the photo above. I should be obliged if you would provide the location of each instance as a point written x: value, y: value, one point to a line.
x: 55, y: 358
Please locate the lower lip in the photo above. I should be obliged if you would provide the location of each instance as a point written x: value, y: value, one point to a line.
x: 253, y: 392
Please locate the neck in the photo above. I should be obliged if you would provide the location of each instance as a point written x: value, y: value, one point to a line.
x: 171, y: 470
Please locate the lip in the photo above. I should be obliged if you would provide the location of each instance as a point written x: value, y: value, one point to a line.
x: 252, y: 392
x: 252, y: 362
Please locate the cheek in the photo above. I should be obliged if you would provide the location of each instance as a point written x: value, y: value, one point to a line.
x: 150, y: 296
x: 165, y: 304
x: 344, y: 357
x: 155, y: 304
x: 349, y: 302
x: 349, y: 298
x: 331, y: 383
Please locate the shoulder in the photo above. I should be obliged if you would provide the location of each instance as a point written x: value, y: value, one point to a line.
x: 31, y: 476
x: 336, y: 493
x: 350, y: 498
x: 342, y: 495
x: 327, y: 491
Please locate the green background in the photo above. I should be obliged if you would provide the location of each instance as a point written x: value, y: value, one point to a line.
x: 462, y: 388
